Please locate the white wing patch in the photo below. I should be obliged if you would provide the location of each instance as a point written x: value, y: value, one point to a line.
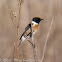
x: 23, y: 38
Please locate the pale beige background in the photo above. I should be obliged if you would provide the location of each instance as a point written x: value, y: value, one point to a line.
x: 45, y: 9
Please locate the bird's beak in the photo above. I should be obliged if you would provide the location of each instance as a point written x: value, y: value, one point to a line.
x: 42, y: 19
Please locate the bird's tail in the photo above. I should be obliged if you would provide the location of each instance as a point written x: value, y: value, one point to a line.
x: 20, y: 43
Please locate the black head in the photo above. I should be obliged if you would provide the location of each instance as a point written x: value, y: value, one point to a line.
x: 37, y: 19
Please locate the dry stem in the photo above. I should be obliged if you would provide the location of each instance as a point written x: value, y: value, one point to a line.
x: 14, y: 52
x: 47, y: 40
x: 12, y: 17
x: 19, y: 5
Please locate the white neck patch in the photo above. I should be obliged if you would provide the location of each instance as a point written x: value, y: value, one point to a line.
x: 34, y: 22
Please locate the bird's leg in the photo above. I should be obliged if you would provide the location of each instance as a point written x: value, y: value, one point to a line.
x: 31, y: 44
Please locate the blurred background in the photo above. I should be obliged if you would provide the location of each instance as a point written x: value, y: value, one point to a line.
x: 46, y: 9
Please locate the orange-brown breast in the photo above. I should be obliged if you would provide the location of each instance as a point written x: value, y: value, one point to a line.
x: 35, y: 27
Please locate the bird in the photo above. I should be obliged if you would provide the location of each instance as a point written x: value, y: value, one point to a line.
x: 30, y: 29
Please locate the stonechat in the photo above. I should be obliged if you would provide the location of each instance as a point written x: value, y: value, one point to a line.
x: 30, y: 29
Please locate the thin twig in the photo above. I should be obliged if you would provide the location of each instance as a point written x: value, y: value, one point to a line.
x: 47, y: 39
x: 14, y: 52
x: 12, y: 17
x: 18, y: 1
x: 12, y: 14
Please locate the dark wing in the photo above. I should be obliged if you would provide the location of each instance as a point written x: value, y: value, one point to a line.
x: 27, y: 30
x: 29, y: 26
